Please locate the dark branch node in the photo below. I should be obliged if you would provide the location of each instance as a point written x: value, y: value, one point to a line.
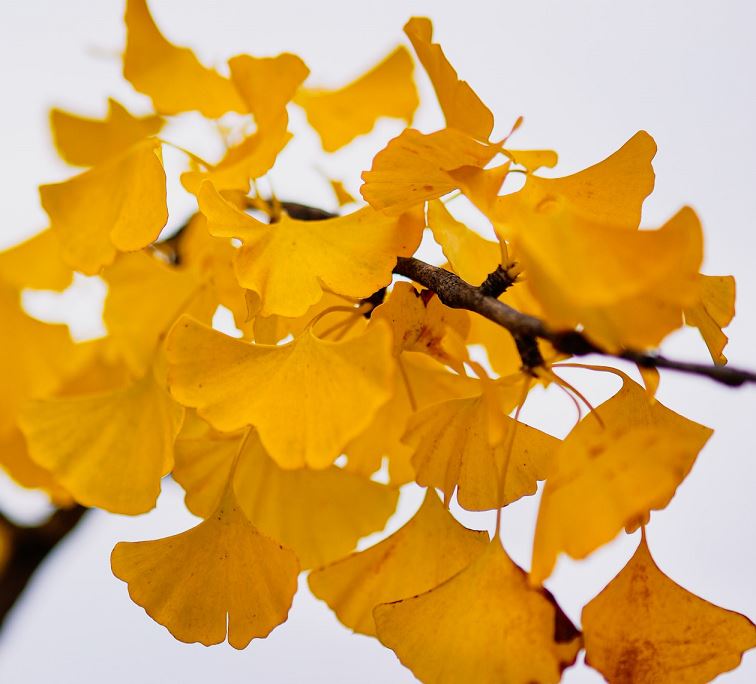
x: 496, y: 283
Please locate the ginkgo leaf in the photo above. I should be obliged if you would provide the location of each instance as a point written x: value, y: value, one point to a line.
x: 421, y: 323
x: 36, y: 263
x: 415, y: 167
x: 481, y: 186
x: 626, y: 288
x: 145, y: 296
x: 454, y: 449
x: 644, y: 628
x: 267, y: 84
x: 610, y: 192
x: 343, y: 196
x: 108, y: 450
x: 88, y: 142
x: 339, y: 116
x: 15, y: 461
x: 222, y: 577
x: 533, y: 160
x: 485, y: 624
x: 289, y: 264
x: 319, y: 514
x: 34, y: 360
x: 172, y: 76
x: 419, y: 382
x: 462, y: 108
x: 251, y: 158
x: 234, y: 384
x: 428, y: 550
x: 117, y: 206
x: 607, y: 475
x: 713, y: 311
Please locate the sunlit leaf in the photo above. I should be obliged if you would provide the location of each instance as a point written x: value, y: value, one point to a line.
x: 713, y: 311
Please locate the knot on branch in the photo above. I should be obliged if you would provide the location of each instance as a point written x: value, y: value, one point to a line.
x: 499, y: 281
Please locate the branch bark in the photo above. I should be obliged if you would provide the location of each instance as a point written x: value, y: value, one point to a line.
x: 29, y: 546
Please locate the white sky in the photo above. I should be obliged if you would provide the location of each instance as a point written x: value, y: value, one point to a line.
x: 586, y: 75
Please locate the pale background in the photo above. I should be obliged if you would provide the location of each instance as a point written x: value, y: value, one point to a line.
x: 586, y: 76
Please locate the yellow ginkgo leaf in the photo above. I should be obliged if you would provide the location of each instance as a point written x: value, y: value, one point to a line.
x: 172, y: 76
x: 289, y: 264
x: 462, y: 108
x: 292, y: 393
x: 251, y: 158
x: 339, y: 116
x: 415, y: 167
x: 145, y: 296
x: 419, y: 382
x: 428, y: 550
x: 319, y: 514
x: 88, y: 142
x: 626, y: 288
x: 453, y: 449
x: 108, y: 450
x: 533, y: 160
x: 421, y: 323
x: 484, y: 625
x: 643, y: 628
x: 267, y: 84
x: 610, y: 192
x: 15, y: 461
x: 117, y: 206
x: 481, y: 186
x: 34, y: 360
x: 610, y: 471
x: 713, y: 311
x: 343, y: 196
x: 36, y: 264
x: 222, y: 577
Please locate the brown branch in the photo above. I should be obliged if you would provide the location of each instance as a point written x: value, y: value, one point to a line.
x: 458, y: 294
x: 28, y: 547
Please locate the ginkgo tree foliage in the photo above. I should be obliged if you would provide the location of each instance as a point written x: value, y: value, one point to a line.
x: 355, y: 359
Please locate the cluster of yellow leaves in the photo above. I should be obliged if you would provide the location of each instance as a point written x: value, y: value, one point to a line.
x: 280, y: 436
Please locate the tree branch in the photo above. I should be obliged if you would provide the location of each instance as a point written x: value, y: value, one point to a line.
x: 458, y: 294
x: 28, y: 547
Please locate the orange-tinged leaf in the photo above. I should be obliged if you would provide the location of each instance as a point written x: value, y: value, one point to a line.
x: 605, y: 478
x: 454, y: 449
x: 627, y: 288
x: 713, y: 311
x: 234, y: 384
x: 610, y: 192
x: 88, y: 142
x: 36, y: 263
x: 145, y: 296
x: 339, y: 116
x: 421, y: 323
x: 533, y: 160
x: 267, y: 84
x: 481, y: 186
x: 419, y: 382
x: 319, y: 514
x: 108, y: 450
x: 172, y: 76
x: 428, y: 550
x: 117, y: 206
x: 462, y: 108
x: 222, y: 577
x: 644, y: 628
x: 415, y: 167
x: 485, y: 624
x: 289, y: 264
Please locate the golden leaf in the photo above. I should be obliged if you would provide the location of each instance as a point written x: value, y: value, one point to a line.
x: 222, y: 577
x: 644, y: 628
